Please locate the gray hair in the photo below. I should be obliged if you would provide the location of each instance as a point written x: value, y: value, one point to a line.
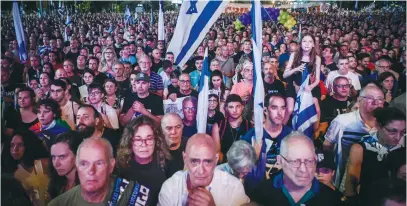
x: 297, y: 135
x: 169, y: 115
x: 369, y: 86
x: 107, y: 147
x: 240, y: 155
x: 192, y: 99
x: 380, y: 61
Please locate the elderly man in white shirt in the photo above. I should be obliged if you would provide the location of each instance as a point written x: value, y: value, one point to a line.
x: 201, y: 184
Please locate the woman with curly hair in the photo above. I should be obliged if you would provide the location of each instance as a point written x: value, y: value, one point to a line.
x: 142, y: 155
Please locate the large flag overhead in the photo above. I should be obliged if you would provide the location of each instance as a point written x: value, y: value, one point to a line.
x: 258, y: 81
x: 202, y: 113
x: 18, y: 26
x: 194, y: 21
x: 161, y: 31
x: 305, y: 112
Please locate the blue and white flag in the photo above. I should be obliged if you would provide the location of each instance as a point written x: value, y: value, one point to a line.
x: 40, y: 9
x: 61, y: 8
x: 202, y: 113
x: 127, y: 16
x: 152, y: 17
x: 194, y: 21
x: 356, y: 5
x: 305, y: 112
x: 68, y: 19
x: 257, y: 79
x: 161, y: 31
x: 18, y: 26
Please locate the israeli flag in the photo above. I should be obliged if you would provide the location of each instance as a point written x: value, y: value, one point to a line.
x: 18, y: 26
x: 202, y: 113
x: 305, y: 112
x: 356, y: 5
x: 61, y: 8
x: 127, y: 16
x: 161, y: 31
x: 194, y: 21
x: 257, y: 79
x: 68, y: 19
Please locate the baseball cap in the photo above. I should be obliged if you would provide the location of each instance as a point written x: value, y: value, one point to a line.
x: 325, y: 159
x: 266, y: 54
x: 143, y: 77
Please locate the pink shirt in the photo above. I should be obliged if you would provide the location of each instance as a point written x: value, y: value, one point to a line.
x: 242, y: 88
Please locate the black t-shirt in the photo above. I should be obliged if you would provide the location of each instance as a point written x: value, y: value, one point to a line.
x: 76, y: 80
x: 229, y: 135
x: 33, y: 73
x: 277, y: 87
x: 188, y: 131
x: 16, y: 75
x: 330, y: 108
x: 14, y: 120
x: 212, y: 120
x: 72, y: 56
x: 113, y: 136
x: 172, y: 89
x: 151, y: 175
x: 153, y: 103
x: 156, y: 66
x: 332, y: 67
x: 100, y: 78
x: 179, y: 95
x: 124, y: 86
x: 177, y: 162
x: 237, y: 57
x: 8, y: 93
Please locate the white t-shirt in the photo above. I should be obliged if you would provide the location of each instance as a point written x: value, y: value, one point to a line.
x: 225, y: 189
x: 68, y: 113
x: 352, y: 77
x: 166, y: 79
x: 110, y: 113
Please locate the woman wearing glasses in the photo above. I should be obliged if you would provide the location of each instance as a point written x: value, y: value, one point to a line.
x: 142, y: 155
x: 368, y: 159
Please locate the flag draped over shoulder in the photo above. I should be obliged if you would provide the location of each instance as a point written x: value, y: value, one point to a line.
x: 194, y: 21
x: 202, y: 113
x: 18, y: 26
x: 161, y: 31
x: 258, y: 81
x: 305, y: 112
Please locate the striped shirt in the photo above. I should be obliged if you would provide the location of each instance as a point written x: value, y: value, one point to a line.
x: 156, y: 82
x: 344, y: 131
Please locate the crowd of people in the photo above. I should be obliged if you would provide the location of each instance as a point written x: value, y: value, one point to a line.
x: 84, y: 119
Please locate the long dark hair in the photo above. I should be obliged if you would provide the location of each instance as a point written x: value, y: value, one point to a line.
x: 298, y: 55
x: 33, y: 149
x: 57, y: 183
x: 222, y: 85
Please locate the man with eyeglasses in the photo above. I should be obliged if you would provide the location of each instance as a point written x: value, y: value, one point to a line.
x: 296, y: 183
x: 349, y: 128
x: 96, y: 95
x: 202, y: 184
x: 189, y: 110
x: 71, y: 74
x: 157, y: 85
x: 69, y: 108
x: 343, y: 70
x: 184, y: 90
x: 141, y: 103
x: 334, y: 104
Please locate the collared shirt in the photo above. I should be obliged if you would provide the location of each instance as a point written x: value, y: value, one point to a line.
x: 344, y: 131
x: 273, y: 192
x: 225, y: 189
x: 156, y: 82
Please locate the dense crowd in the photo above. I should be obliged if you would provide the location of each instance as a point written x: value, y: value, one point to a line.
x: 99, y: 114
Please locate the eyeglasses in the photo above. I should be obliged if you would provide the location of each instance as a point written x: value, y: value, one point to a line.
x: 94, y: 93
x: 297, y: 163
x: 139, y: 142
x: 192, y: 109
x: 370, y: 99
x: 342, y: 86
x: 184, y: 81
x: 393, y: 132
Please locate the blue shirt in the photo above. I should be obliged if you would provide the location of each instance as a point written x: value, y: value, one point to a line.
x: 130, y: 59
x: 195, y: 77
x: 282, y: 59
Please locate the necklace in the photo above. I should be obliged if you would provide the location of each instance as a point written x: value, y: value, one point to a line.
x: 234, y: 136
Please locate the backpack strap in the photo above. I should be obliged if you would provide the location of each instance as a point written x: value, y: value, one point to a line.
x: 222, y: 127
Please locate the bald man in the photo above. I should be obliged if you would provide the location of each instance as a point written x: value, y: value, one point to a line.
x: 59, y: 73
x: 95, y: 164
x: 201, y: 184
x: 295, y: 184
x: 171, y: 125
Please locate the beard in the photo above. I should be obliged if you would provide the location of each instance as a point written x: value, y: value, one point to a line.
x: 85, y: 131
